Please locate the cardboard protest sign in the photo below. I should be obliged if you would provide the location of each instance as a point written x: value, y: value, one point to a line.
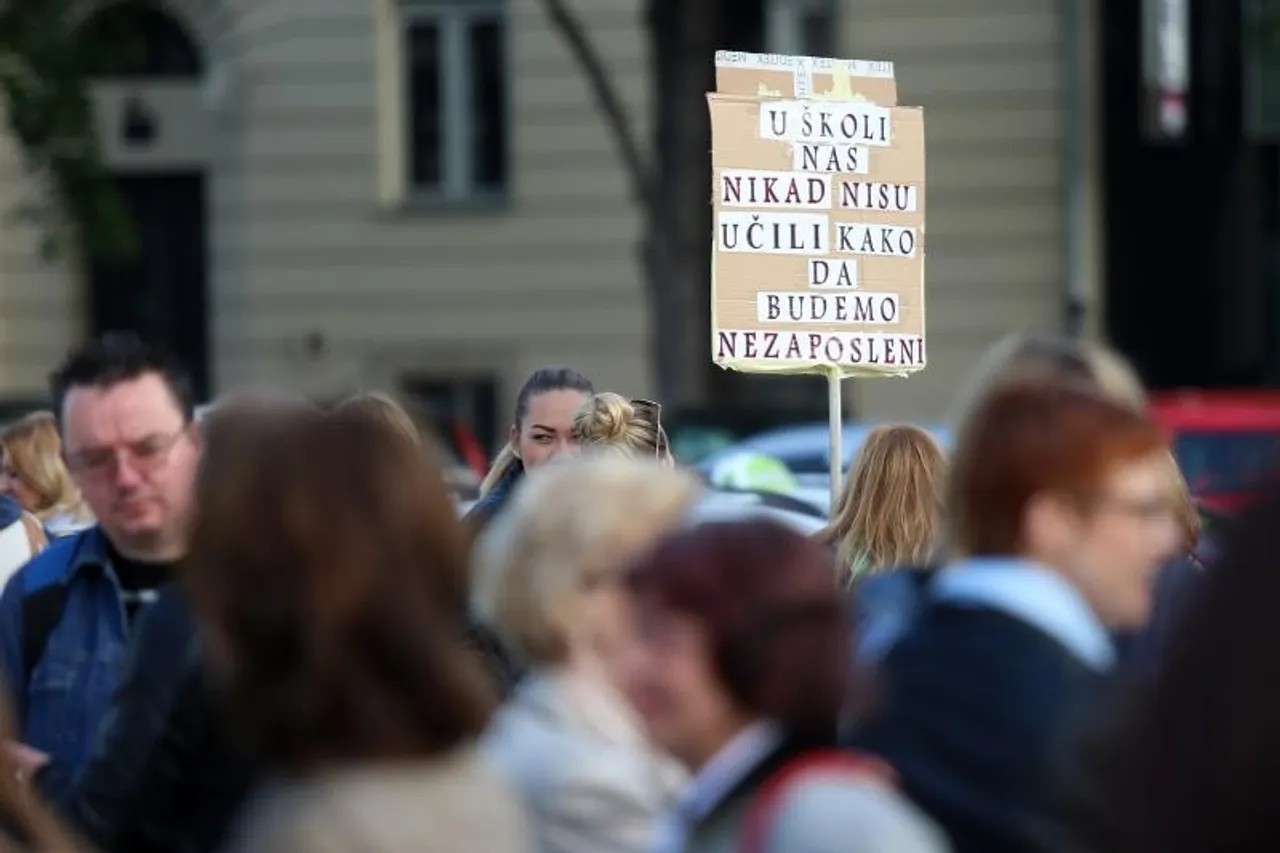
x: 773, y: 75
x: 818, y: 256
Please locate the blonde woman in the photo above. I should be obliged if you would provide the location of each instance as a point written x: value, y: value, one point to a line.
x: 33, y: 472
x: 548, y: 576
x: 611, y: 421
x: 889, y: 511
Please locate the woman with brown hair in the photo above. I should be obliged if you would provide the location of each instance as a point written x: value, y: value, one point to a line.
x: 741, y: 673
x: 888, y: 514
x: 328, y: 570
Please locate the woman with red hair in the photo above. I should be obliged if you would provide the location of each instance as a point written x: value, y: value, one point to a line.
x: 741, y: 672
x: 1060, y: 514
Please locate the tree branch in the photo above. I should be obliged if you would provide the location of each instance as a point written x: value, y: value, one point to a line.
x: 606, y: 95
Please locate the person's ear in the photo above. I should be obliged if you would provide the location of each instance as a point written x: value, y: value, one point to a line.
x: 197, y: 436
x: 513, y: 439
x: 1050, y: 525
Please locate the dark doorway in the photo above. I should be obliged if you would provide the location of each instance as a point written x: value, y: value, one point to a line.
x: 162, y: 292
x: 1186, y: 223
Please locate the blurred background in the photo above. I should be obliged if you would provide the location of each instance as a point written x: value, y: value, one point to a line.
x: 435, y: 197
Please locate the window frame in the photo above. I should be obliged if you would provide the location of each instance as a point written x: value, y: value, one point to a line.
x: 782, y: 30
x: 453, y: 19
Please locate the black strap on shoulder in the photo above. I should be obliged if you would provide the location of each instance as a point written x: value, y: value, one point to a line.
x: 41, y: 613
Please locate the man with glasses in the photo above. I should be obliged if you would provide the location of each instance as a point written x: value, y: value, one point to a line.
x: 130, y: 441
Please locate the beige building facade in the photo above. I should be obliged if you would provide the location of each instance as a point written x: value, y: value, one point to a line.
x: 421, y: 193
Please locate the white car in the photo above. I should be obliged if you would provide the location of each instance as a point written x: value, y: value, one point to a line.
x: 718, y: 505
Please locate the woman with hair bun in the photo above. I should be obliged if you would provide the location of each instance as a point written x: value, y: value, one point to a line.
x: 633, y: 427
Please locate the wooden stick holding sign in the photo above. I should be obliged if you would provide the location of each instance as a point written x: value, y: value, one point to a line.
x: 835, y: 419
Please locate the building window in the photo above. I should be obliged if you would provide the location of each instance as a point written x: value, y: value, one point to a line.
x: 803, y: 27
x: 456, y: 99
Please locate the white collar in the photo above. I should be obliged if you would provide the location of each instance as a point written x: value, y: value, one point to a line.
x: 726, y: 769
x: 1035, y: 596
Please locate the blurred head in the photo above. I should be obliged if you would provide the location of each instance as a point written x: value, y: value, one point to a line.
x: 1070, y: 480
x: 543, y: 427
x: 382, y: 408
x: 1196, y: 756
x: 130, y: 443
x: 889, y: 511
x: 739, y: 622
x: 348, y: 648
x: 33, y: 470
x: 609, y: 421
x: 548, y: 571
x: 1051, y: 358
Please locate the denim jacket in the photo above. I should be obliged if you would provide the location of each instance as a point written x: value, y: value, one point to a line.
x: 70, y: 688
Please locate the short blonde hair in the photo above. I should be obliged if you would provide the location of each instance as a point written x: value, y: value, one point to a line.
x: 570, y: 527
x: 889, y: 512
x: 611, y: 421
x: 1053, y: 358
x: 34, y: 450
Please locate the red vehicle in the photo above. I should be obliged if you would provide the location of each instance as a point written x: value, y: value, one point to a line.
x: 1226, y: 441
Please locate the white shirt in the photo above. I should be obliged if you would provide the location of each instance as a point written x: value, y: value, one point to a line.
x: 715, y: 781
x: 1035, y: 596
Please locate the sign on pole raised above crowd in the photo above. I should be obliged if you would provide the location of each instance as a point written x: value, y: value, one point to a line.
x: 818, y: 260
x: 818, y: 256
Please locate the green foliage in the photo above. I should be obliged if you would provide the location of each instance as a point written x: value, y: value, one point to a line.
x: 44, y: 72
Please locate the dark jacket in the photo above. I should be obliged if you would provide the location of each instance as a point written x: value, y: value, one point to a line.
x: 488, y: 507
x: 977, y: 715
x: 163, y: 776
x: 499, y: 662
x: 1177, y: 585
x: 884, y: 605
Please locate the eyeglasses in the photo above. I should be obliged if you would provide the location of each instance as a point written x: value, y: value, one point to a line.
x: 1143, y: 510
x: 652, y: 411
x: 143, y: 456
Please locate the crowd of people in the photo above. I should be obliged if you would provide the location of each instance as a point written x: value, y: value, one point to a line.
x: 264, y: 626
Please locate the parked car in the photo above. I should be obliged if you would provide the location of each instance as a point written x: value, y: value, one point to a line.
x: 729, y: 505
x: 806, y: 448
x: 1226, y: 442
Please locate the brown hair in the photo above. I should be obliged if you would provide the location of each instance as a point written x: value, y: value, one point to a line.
x: 541, y: 381
x: 382, y: 408
x: 34, y: 450
x: 888, y: 514
x: 1030, y: 438
x: 328, y: 566
x: 778, y: 629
